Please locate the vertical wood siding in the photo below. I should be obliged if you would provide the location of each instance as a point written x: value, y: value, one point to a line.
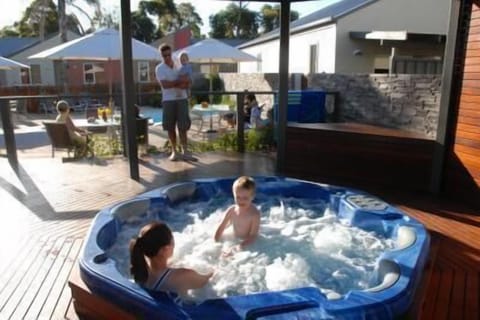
x: 462, y: 175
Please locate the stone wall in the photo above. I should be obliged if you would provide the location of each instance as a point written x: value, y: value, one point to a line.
x: 408, y: 102
x: 252, y: 82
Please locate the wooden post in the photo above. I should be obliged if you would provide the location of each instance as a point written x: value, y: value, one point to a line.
x: 240, y: 122
x: 9, y: 134
x: 128, y: 91
x: 283, y: 85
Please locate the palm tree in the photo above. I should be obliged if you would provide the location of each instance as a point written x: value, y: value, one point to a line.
x: 62, y: 18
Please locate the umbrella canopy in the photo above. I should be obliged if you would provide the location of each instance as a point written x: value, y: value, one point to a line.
x: 95, y: 69
x: 214, y: 51
x: 7, y: 64
x: 103, y: 44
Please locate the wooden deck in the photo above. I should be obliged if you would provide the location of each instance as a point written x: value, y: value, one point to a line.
x: 360, y: 155
x: 48, y: 207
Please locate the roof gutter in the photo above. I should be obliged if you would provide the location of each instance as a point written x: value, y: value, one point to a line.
x: 295, y: 30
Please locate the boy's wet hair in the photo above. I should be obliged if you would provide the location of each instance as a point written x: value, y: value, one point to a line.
x: 244, y: 182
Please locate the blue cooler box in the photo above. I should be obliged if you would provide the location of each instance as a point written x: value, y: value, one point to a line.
x: 303, y: 106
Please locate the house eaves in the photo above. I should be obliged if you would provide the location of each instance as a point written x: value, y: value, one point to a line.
x: 324, y: 16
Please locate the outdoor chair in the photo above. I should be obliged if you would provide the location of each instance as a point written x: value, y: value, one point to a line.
x: 21, y: 106
x: 142, y: 131
x: 60, y: 139
x: 196, y: 116
x: 47, y: 106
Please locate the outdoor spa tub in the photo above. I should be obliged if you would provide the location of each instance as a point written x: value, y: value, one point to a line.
x: 396, y: 272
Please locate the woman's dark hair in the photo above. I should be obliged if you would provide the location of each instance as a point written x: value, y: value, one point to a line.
x: 251, y: 97
x: 151, y: 238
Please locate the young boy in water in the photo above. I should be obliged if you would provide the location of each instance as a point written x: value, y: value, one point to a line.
x: 243, y: 215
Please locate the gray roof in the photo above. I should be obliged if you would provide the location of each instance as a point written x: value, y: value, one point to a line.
x: 12, y: 45
x: 333, y: 11
x: 233, y: 42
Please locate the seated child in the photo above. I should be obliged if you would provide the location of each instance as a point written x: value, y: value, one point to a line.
x: 78, y: 135
x: 243, y: 215
x: 149, y: 254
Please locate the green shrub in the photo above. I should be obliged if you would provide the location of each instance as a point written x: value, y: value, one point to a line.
x: 154, y: 100
x: 259, y: 139
x: 201, y: 82
x: 104, y: 146
x: 255, y: 140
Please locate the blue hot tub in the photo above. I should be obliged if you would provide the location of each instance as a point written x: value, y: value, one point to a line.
x: 397, y: 274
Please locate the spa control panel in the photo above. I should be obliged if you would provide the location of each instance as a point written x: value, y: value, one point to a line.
x: 366, y: 202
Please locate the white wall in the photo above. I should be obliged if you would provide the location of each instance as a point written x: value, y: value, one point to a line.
x: 414, y: 16
x: 336, y: 47
x: 299, y: 60
x: 270, y: 58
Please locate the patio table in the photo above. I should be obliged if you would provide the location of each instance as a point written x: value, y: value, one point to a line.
x: 109, y: 127
x: 210, y: 111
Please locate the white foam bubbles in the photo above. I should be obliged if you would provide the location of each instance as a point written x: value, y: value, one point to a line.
x: 287, y: 273
x: 300, y: 244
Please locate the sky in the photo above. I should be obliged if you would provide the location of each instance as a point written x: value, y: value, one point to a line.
x: 14, y: 10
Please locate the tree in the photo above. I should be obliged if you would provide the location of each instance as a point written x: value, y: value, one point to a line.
x: 164, y: 10
x: 40, y: 18
x: 62, y: 17
x: 98, y: 16
x: 105, y: 19
x: 234, y: 22
x: 143, y: 28
x: 270, y: 17
x: 62, y: 22
x: 188, y: 16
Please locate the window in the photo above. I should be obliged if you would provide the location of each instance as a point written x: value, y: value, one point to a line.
x: 381, y: 64
x: 259, y: 62
x: 313, y: 58
x: 143, y: 71
x: 88, y: 74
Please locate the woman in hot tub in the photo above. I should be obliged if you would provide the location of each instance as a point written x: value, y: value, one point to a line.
x: 149, y: 254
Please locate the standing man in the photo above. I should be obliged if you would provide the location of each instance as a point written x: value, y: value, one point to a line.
x: 175, y: 103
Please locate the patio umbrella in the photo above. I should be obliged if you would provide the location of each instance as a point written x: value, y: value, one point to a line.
x: 8, y: 64
x: 95, y: 68
x: 102, y: 45
x: 212, y: 51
